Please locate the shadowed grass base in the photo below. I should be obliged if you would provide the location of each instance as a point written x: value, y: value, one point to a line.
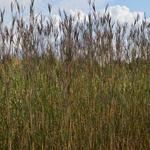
x: 42, y: 106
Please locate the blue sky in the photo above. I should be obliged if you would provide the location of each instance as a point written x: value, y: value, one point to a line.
x: 122, y: 9
x: 133, y: 5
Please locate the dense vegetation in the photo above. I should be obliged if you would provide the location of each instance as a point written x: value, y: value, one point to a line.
x: 82, y: 85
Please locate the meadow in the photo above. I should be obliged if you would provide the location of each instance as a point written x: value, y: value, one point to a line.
x: 79, y: 86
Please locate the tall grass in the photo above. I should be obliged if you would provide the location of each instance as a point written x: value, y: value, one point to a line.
x: 82, y: 85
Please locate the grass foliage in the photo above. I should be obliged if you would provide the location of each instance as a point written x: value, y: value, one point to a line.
x: 88, y: 89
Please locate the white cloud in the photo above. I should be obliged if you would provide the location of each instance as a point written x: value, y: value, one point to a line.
x: 123, y: 14
x: 118, y: 13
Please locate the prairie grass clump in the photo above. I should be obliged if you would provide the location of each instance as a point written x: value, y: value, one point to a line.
x: 81, y: 85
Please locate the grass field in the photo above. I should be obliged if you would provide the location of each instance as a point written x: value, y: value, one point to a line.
x: 87, y: 98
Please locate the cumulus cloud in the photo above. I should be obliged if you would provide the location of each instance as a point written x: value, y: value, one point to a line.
x: 123, y: 14
x: 118, y: 13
